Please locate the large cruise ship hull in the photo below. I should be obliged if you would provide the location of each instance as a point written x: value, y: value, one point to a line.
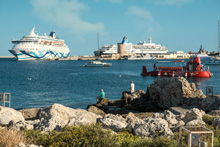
x: 36, y: 55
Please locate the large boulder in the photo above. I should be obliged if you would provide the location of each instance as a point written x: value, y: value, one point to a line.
x: 57, y: 116
x: 210, y: 103
x: 10, y: 115
x: 170, y: 92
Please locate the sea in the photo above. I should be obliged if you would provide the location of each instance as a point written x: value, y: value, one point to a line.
x: 39, y: 84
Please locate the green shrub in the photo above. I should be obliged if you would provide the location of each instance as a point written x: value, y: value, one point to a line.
x: 94, y: 135
x: 85, y: 135
x: 208, y: 119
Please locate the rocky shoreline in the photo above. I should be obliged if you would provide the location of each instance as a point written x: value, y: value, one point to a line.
x: 167, y: 104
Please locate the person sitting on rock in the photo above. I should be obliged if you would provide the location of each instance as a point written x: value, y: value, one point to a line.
x: 102, y: 95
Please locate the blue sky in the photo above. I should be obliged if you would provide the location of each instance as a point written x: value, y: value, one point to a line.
x: 176, y: 24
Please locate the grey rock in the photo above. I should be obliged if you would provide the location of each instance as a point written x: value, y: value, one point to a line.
x: 193, y: 114
x: 210, y: 103
x: 179, y: 110
x: 158, y: 115
x: 114, y: 122
x: 132, y: 121
x: 214, y: 112
x: 178, y: 125
x: 30, y: 114
x: 170, y: 92
x: 21, y: 144
x: 96, y: 110
x: 195, y: 122
x: 57, y: 116
x: 216, y: 122
x: 154, y: 127
x: 170, y: 118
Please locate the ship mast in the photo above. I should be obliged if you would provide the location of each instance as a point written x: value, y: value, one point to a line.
x: 219, y: 36
x: 98, y: 40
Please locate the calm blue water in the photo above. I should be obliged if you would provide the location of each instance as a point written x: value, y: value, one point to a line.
x: 37, y: 84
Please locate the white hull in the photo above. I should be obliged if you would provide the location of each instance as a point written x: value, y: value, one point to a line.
x: 141, y: 57
x: 36, y: 55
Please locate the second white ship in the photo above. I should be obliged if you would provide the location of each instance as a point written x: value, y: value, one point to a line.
x: 139, y: 48
x: 33, y: 47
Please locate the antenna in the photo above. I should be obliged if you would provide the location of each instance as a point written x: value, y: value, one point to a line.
x: 219, y: 36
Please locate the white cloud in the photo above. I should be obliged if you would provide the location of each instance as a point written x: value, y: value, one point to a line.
x: 66, y: 14
x: 172, y: 2
x: 142, y: 19
x: 139, y: 12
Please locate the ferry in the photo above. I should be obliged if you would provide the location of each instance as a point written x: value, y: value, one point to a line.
x: 193, y: 68
x: 33, y: 47
x: 139, y: 48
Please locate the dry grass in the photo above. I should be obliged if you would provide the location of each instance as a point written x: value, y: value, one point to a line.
x: 11, y: 138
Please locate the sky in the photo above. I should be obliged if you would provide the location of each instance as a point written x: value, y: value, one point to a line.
x: 176, y: 24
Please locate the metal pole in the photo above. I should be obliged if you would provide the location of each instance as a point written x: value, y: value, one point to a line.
x: 212, y: 138
x: 98, y: 40
x: 180, y: 136
x: 219, y: 36
x: 189, y: 140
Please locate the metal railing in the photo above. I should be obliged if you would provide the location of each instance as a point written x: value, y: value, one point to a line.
x: 5, y: 98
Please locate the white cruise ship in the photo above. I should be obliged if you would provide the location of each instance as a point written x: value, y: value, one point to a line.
x: 33, y: 46
x: 139, y: 48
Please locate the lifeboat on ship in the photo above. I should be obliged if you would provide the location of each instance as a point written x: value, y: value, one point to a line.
x: 193, y: 68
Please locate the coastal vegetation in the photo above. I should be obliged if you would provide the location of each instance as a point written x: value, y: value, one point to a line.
x: 84, y: 135
x: 92, y: 135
